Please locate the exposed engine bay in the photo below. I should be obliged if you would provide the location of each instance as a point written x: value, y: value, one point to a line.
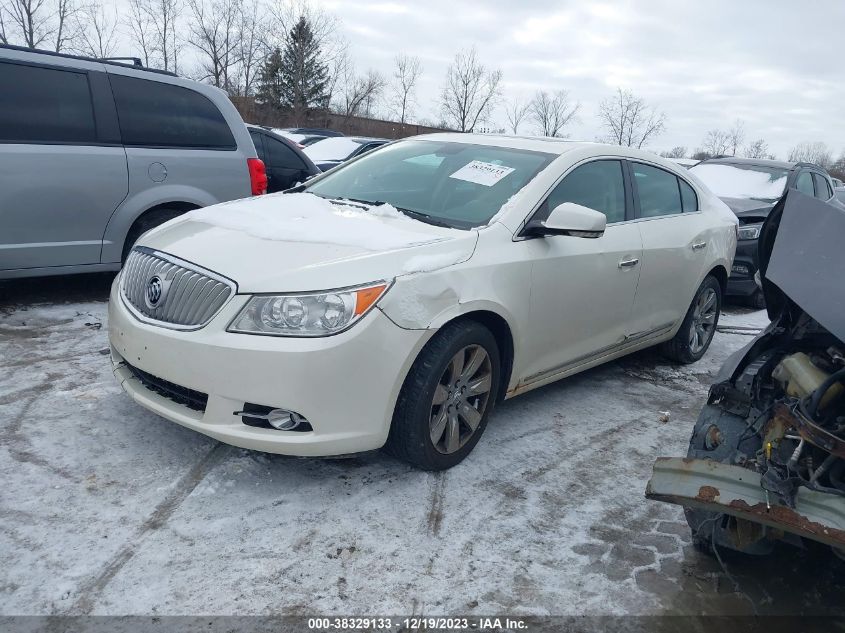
x: 766, y: 460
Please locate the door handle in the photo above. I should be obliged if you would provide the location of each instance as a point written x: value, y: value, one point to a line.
x: 698, y: 246
x: 627, y: 263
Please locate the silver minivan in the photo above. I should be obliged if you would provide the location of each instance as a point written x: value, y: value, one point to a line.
x: 94, y: 153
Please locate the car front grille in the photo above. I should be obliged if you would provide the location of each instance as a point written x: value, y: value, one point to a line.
x: 190, y: 398
x: 167, y: 291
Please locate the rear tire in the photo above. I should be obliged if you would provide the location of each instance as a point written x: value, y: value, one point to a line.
x: 699, y: 326
x: 447, y: 397
x: 147, y: 222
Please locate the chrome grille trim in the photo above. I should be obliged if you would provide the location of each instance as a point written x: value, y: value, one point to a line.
x: 194, y: 297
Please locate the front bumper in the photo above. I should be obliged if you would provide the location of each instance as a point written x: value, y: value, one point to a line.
x: 721, y: 488
x: 346, y: 385
x: 742, y: 284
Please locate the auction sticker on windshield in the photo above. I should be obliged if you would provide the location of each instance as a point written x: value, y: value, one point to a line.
x: 482, y: 173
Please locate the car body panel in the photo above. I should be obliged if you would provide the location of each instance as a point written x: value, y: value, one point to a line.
x: 89, y: 195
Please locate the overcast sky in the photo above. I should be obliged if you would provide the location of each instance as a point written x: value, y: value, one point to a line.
x: 777, y: 65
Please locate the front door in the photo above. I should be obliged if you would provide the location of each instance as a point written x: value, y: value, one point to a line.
x: 582, y: 289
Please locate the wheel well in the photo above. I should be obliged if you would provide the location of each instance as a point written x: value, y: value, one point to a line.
x: 502, y: 333
x: 167, y: 206
x: 721, y: 276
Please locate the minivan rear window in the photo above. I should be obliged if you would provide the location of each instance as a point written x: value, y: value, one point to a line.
x: 156, y: 114
x: 44, y: 105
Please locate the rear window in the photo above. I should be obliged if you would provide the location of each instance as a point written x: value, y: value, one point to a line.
x: 156, y: 114
x: 43, y: 105
x: 743, y: 180
x: 658, y: 191
x: 823, y: 191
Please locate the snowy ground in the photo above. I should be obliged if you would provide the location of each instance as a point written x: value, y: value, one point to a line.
x: 108, y: 509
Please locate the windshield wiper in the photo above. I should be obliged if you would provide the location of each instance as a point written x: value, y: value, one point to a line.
x: 417, y: 215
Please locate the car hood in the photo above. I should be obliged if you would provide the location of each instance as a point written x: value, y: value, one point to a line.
x: 802, y: 259
x: 301, y: 242
x: 749, y: 210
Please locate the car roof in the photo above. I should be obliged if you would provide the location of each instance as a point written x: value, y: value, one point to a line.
x: 364, y: 139
x: 133, y: 63
x: 546, y: 144
x: 760, y: 162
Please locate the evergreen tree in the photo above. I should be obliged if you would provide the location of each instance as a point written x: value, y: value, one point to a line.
x: 270, y: 80
x: 304, y: 77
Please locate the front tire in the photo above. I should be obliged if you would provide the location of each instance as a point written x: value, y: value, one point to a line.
x: 446, y: 398
x: 699, y: 326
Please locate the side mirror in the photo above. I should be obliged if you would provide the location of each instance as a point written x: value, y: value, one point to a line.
x: 570, y: 219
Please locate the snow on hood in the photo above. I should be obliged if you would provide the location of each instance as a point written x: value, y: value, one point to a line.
x: 304, y: 217
x: 731, y: 181
x: 301, y: 242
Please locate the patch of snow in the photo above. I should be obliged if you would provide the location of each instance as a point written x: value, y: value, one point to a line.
x: 429, y: 263
x: 304, y: 217
x: 332, y: 148
x: 730, y: 181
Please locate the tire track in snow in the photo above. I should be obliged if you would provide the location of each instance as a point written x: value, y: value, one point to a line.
x: 159, y: 517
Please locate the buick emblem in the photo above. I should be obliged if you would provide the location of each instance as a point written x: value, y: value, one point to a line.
x: 155, y: 291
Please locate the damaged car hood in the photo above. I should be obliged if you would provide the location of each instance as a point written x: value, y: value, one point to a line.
x: 301, y: 242
x: 802, y: 257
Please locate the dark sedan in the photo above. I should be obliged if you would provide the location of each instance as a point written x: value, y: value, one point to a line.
x: 331, y: 152
x: 286, y: 164
x: 750, y: 187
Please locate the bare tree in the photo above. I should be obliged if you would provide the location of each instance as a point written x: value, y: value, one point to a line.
x: 33, y: 20
x: 213, y: 32
x: 807, y: 152
x: 67, y: 28
x: 716, y: 143
x: 359, y: 91
x: 4, y: 38
x: 140, y: 28
x: 678, y: 151
x: 97, y: 30
x: 405, y: 77
x: 516, y: 110
x: 629, y: 121
x: 470, y: 91
x: 736, y: 136
x: 249, y: 52
x: 552, y: 112
x: 757, y: 149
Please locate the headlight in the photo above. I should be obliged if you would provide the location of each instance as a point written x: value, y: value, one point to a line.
x: 310, y: 314
x: 749, y: 232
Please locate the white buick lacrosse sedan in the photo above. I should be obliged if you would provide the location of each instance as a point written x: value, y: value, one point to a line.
x: 394, y: 300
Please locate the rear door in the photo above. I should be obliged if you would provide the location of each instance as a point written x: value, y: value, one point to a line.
x: 62, y: 168
x: 284, y: 167
x: 676, y: 238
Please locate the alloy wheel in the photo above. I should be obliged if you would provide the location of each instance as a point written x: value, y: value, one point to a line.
x: 703, y: 320
x: 460, y: 399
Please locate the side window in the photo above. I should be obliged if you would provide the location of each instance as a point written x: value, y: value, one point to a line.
x: 804, y: 184
x: 823, y: 191
x: 43, y: 105
x: 689, y: 200
x: 157, y: 114
x: 259, y: 145
x: 658, y: 191
x: 280, y: 155
x: 598, y: 185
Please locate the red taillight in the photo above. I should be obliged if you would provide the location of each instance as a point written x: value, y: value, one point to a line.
x: 257, y: 176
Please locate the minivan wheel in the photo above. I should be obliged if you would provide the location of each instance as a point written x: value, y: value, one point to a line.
x: 699, y: 326
x: 446, y: 398
x: 146, y: 222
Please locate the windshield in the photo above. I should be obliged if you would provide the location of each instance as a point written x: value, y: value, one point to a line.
x: 334, y: 148
x: 743, y: 181
x: 456, y: 184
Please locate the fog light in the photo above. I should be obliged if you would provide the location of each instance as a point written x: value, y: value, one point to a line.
x: 740, y: 269
x: 280, y: 419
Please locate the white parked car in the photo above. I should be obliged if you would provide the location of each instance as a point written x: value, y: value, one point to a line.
x: 396, y: 299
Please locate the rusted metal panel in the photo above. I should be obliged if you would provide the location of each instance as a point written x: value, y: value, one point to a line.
x: 736, y: 491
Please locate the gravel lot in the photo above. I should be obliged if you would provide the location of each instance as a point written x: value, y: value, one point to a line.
x: 108, y: 509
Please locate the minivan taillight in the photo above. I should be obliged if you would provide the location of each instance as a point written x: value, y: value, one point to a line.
x: 257, y: 176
